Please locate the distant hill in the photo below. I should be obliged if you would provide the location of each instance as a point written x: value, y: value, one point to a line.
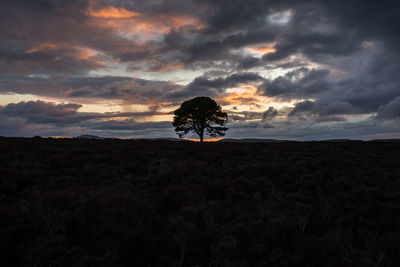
x: 162, y: 139
x: 356, y: 140
x: 172, y: 139
x: 88, y: 136
x: 385, y: 140
x: 340, y: 140
x: 260, y: 140
x: 253, y: 140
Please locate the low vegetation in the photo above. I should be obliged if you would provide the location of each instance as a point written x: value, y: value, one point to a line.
x: 82, y: 202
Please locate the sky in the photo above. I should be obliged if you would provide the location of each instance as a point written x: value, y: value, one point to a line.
x: 300, y: 70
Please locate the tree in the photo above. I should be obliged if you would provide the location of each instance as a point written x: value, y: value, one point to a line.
x: 198, y: 115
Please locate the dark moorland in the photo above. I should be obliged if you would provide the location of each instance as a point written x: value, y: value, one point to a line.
x: 70, y: 202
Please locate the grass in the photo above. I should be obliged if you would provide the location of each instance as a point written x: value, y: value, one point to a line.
x: 70, y: 202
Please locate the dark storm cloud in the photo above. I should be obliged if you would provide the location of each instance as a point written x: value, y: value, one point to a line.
x: 133, y: 90
x: 312, y: 27
x: 298, y: 83
x: 236, y: 23
x: 47, y: 118
x: 26, y: 24
x: 10, y: 125
x: 129, y: 125
x: 62, y: 30
x: 248, y: 63
x: 219, y: 49
x: 353, y: 85
x: 369, y: 19
x: 48, y: 59
x: 371, y: 80
x: 366, y: 82
x: 313, y: 32
x: 390, y: 111
x: 304, y: 106
x: 338, y: 107
x: 41, y: 112
x: 249, y: 125
x: 128, y: 89
x: 36, y: 85
x: 215, y: 87
x: 321, y: 112
x: 340, y: 58
x: 318, y: 130
x: 270, y: 113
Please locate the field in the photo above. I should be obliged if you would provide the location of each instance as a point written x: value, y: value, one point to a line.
x: 70, y: 202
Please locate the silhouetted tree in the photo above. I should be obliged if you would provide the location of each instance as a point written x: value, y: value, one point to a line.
x: 198, y: 115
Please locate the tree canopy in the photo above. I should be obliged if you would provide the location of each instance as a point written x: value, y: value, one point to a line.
x: 200, y: 114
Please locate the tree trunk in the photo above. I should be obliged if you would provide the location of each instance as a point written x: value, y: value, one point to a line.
x: 201, y: 136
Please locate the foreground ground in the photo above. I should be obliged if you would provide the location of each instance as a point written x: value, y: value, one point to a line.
x: 161, y: 203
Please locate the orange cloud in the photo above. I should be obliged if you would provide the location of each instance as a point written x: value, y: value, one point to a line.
x: 167, y: 68
x: 63, y: 50
x: 79, y: 51
x: 111, y: 12
x: 129, y: 24
x: 248, y: 94
x: 262, y: 49
x: 150, y: 27
x: 85, y: 53
x: 88, y: 54
x: 180, y: 21
x: 42, y: 47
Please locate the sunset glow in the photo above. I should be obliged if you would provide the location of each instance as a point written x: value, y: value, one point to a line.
x: 205, y: 140
x: 42, y: 47
x: 111, y: 12
x: 262, y: 49
x: 169, y: 67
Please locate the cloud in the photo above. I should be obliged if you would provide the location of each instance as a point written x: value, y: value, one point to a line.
x: 270, y: 113
x: 215, y: 87
x: 49, y: 58
x: 53, y: 113
x: 248, y: 62
x: 309, y: 129
x: 127, y: 89
x: 64, y: 29
x: 389, y: 111
x: 42, y: 112
x: 193, y: 31
x: 337, y: 60
x: 322, y: 112
x: 244, y: 116
x: 49, y: 118
x: 299, y: 83
x: 129, y: 125
x: 132, y: 90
